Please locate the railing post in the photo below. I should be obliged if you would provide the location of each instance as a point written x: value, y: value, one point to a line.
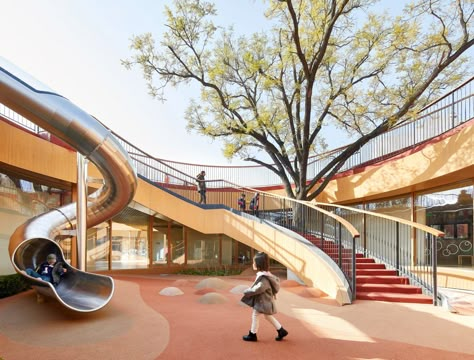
x: 397, y: 248
x: 81, y: 208
x: 339, y: 248
x: 453, y: 114
x: 364, y: 234
x: 322, y: 231
x: 434, y: 265
x: 354, y: 283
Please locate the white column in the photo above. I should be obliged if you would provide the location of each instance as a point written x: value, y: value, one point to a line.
x: 81, y: 226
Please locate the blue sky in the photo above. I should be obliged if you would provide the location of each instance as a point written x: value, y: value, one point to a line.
x: 75, y: 47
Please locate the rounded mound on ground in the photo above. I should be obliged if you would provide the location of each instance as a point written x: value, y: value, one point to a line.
x: 213, y: 298
x: 171, y: 291
x: 213, y: 283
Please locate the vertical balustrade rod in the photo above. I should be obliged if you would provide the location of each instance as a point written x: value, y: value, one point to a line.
x: 354, y: 284
x: 339, y: 250
x: 397, y: 248
x: 453, y: 113
x: 364, y: 234
x: 322, y: 231
x: 434, y: 264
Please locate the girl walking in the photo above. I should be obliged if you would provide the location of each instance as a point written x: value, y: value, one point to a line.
x: 261, y: 297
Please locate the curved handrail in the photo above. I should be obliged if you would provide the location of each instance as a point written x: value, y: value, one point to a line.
x: 418, y: 226
x: 31, y: 242
x: 350, y: 228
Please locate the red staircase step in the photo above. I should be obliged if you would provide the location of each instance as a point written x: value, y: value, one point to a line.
x: 370, y: 266
x: 382, y: 279
x: 394, y: 297
x: 375, y: 272
x: 392, y: 288
x: 364, y: 260
x: 335, y: 252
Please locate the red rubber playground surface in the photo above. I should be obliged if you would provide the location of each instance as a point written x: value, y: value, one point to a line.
x: 207, y: 321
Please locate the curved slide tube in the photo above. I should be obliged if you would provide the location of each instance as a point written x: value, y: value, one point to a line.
x: 33, y: 241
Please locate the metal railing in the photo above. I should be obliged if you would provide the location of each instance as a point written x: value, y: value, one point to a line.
x: 444, y: 114
x: 439, y: 117
x: 402, y: 245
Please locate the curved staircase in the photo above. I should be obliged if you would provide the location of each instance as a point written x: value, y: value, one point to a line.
x: 373, y: 280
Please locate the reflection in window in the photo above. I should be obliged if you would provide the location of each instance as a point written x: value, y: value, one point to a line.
x: 399, y: 207
x: 29, y: 198
x: 98, y: 248
x: 129, y: 247
x: 160, y: 242
x: 129, y: 240
x: 448, y: 231
x: 177, y: 245
x: 462, y: 231
x: 202, y: 249
x: 21, y: 200
x: 451, y: 212
x: 245, y: 254
x: 227, y: 250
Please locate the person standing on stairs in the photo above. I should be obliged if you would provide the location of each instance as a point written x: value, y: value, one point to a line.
x: 261, y: 297
x: 242, y: 202
x: 254, y: 203
x: 200, y: 178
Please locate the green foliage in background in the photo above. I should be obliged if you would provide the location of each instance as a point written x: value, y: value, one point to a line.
x: 12, y: 284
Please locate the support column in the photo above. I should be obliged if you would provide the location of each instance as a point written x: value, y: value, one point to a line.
x: 81, y: 226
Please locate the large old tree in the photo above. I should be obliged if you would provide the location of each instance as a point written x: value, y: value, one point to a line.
x: 341, y: 63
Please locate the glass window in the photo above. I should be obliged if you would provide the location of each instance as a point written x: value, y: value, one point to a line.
x: 160, y: 242
x: 98, y: 248
x: 129, y: 240
x: 130, y: 244
x: 245, y: 254
x: 21, y: 200
x: 176, y: 234
x: 227, y: 250
x: 203, y: 249
x: 398, y: 207
x: 450, y: 211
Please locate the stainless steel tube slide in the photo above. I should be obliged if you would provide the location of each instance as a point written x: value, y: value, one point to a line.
x: 31, y: 242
